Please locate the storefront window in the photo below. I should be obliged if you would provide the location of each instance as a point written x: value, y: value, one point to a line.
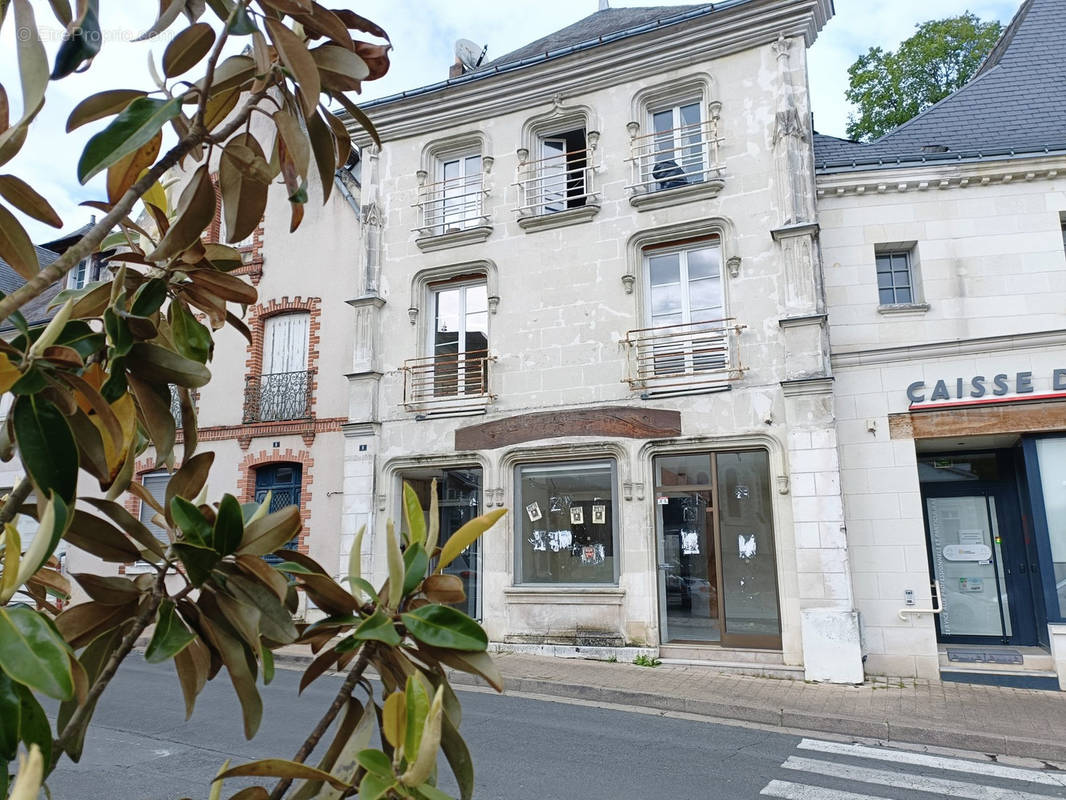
x: 566, y: 532
x: 1051, y: 454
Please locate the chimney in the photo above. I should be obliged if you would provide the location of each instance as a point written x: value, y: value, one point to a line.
x: 456, y: 69
x: 604, y: 5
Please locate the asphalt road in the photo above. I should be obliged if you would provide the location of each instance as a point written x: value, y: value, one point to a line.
x: 140, y: 747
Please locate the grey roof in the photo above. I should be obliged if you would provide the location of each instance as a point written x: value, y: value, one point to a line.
x: 590, y: 29
x: 603, y: 27
x: 1015, y: 104
x: 37, y: 309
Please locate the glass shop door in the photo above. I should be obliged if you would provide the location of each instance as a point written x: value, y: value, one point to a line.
x: 716, y: 562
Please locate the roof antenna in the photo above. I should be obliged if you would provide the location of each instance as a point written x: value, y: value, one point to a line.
x: 605, y: 4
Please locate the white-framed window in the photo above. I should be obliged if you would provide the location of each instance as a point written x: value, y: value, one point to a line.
x: 896, y: 279
x: 456, y: 200
x: 685, y: 307
x: 560, y: 178
x: 156, y: 485
x: 459, y: 336
x: 83, y: 274
x: 678, y: 146
x: 283, y: 389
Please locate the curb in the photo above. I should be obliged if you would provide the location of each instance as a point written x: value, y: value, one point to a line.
x: 883, y: 730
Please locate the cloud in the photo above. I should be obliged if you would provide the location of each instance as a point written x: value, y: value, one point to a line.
x: 424, y: 33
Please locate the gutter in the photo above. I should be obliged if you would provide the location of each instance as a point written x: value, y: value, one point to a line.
x: 938, y: 159
x: 551, y: 55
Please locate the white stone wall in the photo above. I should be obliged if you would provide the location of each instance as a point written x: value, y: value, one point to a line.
x: 992, y: 265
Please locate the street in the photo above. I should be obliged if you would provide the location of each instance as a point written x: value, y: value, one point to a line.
x: 524, y: 749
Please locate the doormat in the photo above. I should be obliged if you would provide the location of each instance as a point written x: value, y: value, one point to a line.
x: 968, y: 656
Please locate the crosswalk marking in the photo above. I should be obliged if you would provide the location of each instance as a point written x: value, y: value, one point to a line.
x: 797, y: 791
x: 902, y: 780
x: 937, y: 762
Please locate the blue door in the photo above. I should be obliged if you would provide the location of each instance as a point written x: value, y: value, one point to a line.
x: 282, y: 481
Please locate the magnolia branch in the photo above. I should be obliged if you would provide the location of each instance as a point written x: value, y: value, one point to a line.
x: 339, y: 702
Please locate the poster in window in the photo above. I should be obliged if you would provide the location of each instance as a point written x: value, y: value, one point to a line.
x: 690, y: 543
x: 577, y: 515
x: 599, y: 514
x: 533, y: 511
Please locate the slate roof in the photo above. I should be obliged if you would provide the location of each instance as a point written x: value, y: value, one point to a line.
x: 37, y: 309
x: 591, y: 29
x: 1016, y: 103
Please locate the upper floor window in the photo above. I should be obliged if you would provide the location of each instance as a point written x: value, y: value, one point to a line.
x: 283, y: 389
x: 460, y: 338
x: 895, y: 281
x: 677, y: 153
x: 453, y: 201
x: 87, y: 271
x: 559, y: 176
x: 688, y: 342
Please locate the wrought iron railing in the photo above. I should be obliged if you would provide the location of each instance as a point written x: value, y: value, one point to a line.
x: 674, y: 158
x: 452, y: 381
x: 175, y: 405
x: 278, y: 396
x: 451, y: 205
x: 683, y: 357
x: 555, y: 183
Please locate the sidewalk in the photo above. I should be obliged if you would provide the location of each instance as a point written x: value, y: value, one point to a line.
x: 988, y: 719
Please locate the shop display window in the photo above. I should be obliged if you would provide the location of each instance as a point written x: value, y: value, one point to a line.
x: 566, y: 523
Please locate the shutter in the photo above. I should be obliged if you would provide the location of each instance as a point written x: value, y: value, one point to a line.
x: 285, y: 343
x: 156, y: 484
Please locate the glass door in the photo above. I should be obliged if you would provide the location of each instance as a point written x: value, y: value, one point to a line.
x: 459, y: 499
x: 979, y: 562
x: 716, y: 562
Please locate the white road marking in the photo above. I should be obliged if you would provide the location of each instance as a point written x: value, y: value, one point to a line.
x: 903, y: 780
x: 936, y: 762
x: 798, y: 791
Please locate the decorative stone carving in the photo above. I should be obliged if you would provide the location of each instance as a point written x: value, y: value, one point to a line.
x: 412, y: 314
x: 627, y: 283
x: 733, y: 264
x: 494, y: 303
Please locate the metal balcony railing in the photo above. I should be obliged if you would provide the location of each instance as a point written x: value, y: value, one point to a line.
x: 674, y: 158
x: 451, y: 205
x: 691, y: 356
x: 175, y: 405
x: 278, y: 396
x: 453, y: 381
x: 555, y: 183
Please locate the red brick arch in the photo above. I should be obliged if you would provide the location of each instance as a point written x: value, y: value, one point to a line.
x: 257, y: 316
x: 246, y: 482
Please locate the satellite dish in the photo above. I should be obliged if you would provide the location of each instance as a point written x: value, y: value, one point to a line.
x: 469, y: 53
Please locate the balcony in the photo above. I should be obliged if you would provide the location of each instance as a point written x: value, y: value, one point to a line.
x: 451, y: 384
x: 689, y: 358
x: 675, y: 165
x: 278, y: 396
x: 451, y: 213
x: 557, y: 190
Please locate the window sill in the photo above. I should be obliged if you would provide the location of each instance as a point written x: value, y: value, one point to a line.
x: 645, y: 201
x: 566, y: 594
x: 559, y: 219
x: 457, y: 238
x: 904, y: 308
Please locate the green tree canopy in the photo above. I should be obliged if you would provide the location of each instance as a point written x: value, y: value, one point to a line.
x: 890, y: 87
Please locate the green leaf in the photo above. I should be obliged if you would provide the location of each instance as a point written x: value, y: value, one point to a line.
x: 415, y: 560
x: 187, y: 48
x: 198, y: 560
x: 466, y: 536
x: 195, y: 212
x: 269, y: 533
x: 237, y: 658
x: 377, y: 627
x: 170, y: 636
x: 46, y: 445
x: 149, y: 297
x: 374, y: 787
x: 413, y: 514
x: 417, y: 704
x: 35, y: 728
x: 229, y: 526
x: 280, y: 768
x: 275, y: 622
x: 268, y: 664
x: 191, y: 339
x: 427, y: 791
x: 159, y: 365
x: 396, y: 566
x: 194, y: 527
x: 292, y: 569
x: 100, y: 105
x: 133, y: 128
x: 10, y: 720
x: 458, y: 755
x: 81, y: 43
x: 34, y: 654
x: 376, y: 762
x: 363, y: 585
x: 445, y: 627
x: 93, y: 659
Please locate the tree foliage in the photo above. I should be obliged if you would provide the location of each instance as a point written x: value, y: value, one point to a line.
x: 890, y: 87
x: 92, y: 391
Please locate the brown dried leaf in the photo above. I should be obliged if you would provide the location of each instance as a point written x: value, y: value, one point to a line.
x: 124, y: 173
x: 196, y: 211
x: 295, y: 57
x: 26, y: 199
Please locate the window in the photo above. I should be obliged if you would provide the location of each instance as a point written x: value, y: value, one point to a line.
x: 684, y: 302
x: 677, y: 156
x: 156, y: 484
x: 559, y: 177
x: 87, y: 271
x: 1064, y: 235
x: 895, y: 278
x: 283, y: 389
x: 459, y: 338
x: 453, y: 202
x: 567, y: 523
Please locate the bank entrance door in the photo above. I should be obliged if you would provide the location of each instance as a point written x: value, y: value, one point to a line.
x: 715, y: 543
x: 978, y: 549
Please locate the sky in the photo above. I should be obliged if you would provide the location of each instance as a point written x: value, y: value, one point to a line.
x: 423, y: 33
